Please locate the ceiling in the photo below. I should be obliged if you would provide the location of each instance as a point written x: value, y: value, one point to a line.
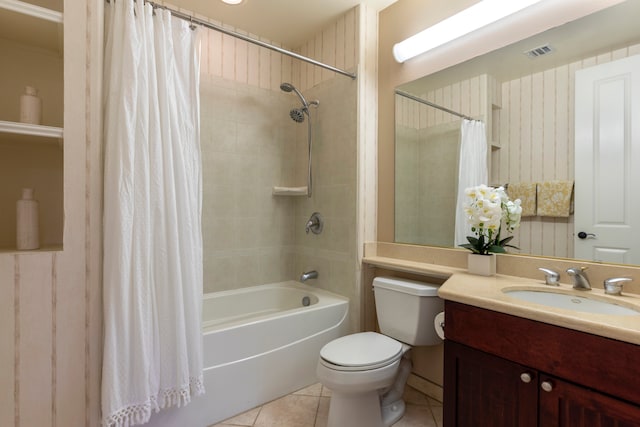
x: 289, y: 22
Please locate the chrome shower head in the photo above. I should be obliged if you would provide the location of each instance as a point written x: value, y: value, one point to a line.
x: 288, y: 87
x: 297, y: 114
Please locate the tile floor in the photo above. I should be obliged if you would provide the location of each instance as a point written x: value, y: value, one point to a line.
x: 309, y: 407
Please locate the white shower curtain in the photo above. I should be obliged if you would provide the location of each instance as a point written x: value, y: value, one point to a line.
x: 152, y: 207
x: 472, y: 171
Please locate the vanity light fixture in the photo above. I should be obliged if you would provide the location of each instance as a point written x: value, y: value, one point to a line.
x: 475, y: 17
x: 234, y: 2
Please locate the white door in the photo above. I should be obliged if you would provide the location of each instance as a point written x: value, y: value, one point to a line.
x: 607, y: 162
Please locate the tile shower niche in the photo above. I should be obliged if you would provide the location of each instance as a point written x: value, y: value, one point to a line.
x: 31, y: 141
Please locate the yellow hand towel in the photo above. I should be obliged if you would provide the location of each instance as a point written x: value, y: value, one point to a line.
x: 554, y: 198
x: 526, y: 192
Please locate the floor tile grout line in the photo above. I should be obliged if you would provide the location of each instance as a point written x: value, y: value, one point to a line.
x: 315, y: 419
x: 255, y: 420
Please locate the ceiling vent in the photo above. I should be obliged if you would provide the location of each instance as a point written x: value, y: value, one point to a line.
x: 539, y: 51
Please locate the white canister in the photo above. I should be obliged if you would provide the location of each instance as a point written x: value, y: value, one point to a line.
x: 30, y: 106
x: 27, y: 229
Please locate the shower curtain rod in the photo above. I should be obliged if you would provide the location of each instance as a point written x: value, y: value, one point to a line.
x: 215, y: 27
x: 431, y: 104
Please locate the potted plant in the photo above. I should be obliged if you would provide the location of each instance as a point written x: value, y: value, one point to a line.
x: 489, y: 212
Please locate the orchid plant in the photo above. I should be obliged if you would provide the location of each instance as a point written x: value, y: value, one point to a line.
x: 489, y: 211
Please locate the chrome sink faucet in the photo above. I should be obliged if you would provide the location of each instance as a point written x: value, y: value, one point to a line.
x: 551, y: 278
x: 580, y: 279
x: 613, y: 286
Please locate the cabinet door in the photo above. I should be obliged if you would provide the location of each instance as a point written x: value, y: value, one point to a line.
x: 482, y: 390
x: 564, y: 404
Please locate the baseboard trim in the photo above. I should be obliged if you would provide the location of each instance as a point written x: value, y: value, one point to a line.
x: 426, y: 387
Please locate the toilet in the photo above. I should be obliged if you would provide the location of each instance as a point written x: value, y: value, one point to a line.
x: 366, y: 372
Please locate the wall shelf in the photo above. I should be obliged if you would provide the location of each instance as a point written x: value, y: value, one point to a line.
x: 32, y: 156
x: 32, y: 10
x: 17, y: 128
x: 31, y: 25
x: 13, y: 251
x: 23, y: 133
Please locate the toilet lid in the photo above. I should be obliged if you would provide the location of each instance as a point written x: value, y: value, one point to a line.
x: 365, y: 349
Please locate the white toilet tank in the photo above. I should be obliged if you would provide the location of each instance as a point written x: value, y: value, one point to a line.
x: 406, y: 309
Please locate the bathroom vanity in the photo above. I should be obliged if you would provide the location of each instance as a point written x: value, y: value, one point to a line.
x: 506, y: 370
x: 503, y: 370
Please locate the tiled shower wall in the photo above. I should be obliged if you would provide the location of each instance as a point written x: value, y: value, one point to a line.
x: 247, y: 144
x: 250, y: 144
x: 333, y: 252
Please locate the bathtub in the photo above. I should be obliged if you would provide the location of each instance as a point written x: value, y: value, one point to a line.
x: 260, y: 343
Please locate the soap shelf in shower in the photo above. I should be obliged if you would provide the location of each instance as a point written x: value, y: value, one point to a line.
x: 289, y: 191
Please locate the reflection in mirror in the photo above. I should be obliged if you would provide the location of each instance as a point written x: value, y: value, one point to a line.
x: 426, y: 177
x: 525, y: 94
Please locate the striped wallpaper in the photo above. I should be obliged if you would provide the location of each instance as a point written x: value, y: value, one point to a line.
x: 243, y: 62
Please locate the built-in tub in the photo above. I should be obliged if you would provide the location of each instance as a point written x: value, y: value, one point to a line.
x: 260, y: 343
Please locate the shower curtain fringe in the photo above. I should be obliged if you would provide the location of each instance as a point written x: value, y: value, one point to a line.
x: 248, y: 39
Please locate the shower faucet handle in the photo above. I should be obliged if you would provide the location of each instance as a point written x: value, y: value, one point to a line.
x: 314, y: 224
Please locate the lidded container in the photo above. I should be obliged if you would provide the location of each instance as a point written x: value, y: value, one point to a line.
x: 30, y: 106
x: 27, y: 228
x: 406, y: 309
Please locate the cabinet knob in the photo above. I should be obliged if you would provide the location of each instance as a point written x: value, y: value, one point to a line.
x: 547, y: 386
x: 525, y: 377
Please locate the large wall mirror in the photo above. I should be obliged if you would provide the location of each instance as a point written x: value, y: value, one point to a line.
x: 526, y: 95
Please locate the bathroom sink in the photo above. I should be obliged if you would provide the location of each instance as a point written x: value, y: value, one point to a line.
x: 570, y: 301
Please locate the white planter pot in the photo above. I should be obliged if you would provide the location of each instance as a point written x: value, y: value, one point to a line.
x: 483, y: 265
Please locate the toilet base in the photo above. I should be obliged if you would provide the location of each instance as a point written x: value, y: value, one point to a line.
x: 392, y: 412
x: 355, y: 410
x: 363, y: 410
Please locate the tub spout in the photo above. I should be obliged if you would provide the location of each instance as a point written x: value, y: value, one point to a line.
x: 308, y: 275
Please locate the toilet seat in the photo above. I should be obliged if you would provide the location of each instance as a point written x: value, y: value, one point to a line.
x: 361, y: 352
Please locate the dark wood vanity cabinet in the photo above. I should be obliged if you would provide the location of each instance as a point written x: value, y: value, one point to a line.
x: 506, y: 371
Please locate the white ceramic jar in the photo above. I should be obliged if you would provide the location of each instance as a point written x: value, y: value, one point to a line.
x: 30, y: 106
x: 27, y: 228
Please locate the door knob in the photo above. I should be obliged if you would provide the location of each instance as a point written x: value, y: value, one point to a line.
x: 583, y: 235
x: 525, y: 377
x: 547, y: 386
